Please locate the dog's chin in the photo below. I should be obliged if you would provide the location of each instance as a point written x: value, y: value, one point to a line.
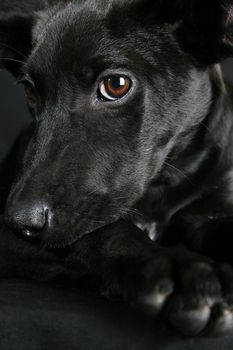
x: 54, y: 240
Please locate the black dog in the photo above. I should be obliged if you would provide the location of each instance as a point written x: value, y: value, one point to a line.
x: 131, y: 137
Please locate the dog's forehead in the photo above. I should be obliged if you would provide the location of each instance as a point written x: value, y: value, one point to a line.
x: 68, y: 21
x: 78, y: 18
x: 77, y: 27
x: 75, y: 33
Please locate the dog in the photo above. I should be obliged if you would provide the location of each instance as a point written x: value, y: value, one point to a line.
x: 125, y: 174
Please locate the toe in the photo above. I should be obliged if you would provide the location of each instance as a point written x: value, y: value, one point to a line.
x: 221, y: 322
x: 154, y: 300
x: 187, y: 319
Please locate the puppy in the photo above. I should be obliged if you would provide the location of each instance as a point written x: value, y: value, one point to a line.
x: 125, y: 174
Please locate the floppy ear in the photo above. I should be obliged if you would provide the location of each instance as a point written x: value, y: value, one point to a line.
x: 16, y: 21
x: 206, y: 29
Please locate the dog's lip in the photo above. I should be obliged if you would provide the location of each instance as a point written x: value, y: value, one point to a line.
x: 61, y: 244
x: 57, y: 244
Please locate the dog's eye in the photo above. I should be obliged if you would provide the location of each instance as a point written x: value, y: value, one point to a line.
x: 30, y: 91
x: 31, y: 95
x: 114, y: 88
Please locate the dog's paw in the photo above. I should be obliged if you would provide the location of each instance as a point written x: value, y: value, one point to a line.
x: 194, y: 295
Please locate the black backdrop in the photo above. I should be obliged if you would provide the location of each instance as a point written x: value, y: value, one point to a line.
x: 13, y: 111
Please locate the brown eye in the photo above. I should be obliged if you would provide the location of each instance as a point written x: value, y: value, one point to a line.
x: 115, y: 87
x: 29, y: 90
x: 31, y: 95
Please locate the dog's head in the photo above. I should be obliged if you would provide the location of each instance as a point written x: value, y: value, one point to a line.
x: 114, y: 87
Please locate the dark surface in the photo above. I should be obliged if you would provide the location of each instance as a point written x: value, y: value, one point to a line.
x: 39, y: 317
x: 36, y: 318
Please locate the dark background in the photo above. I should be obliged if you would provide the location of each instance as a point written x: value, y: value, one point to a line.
x: 13, y: 111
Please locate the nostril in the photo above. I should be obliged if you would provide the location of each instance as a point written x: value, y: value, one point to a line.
x: 28, y: 219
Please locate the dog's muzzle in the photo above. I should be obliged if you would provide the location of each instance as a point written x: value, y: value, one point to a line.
x: 30, y: 219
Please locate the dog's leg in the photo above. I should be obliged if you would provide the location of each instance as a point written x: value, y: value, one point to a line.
x: 194, y: 293
x: 208, y: 235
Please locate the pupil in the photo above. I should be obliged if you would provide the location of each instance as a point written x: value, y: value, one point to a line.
x: 117, y: 83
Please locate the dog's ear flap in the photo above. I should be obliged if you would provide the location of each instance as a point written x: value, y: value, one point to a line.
x: 16, y: 22
x: 206, y: 29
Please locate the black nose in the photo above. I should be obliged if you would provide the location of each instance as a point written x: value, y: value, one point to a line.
x: 28, y: 219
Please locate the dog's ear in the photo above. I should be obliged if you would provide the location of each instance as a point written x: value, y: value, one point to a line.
x: 206, y: 29
x: 16, y: 21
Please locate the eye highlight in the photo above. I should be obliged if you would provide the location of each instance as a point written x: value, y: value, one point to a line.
x: 114, y: 87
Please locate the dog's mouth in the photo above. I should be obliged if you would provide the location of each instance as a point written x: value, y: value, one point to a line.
x: 57, y: 239
x: 62, y: 245
x: 61, y: 226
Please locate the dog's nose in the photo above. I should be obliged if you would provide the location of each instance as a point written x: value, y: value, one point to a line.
x: 28, y: 219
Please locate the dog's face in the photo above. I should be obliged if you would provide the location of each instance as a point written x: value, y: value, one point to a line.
x: 113, y: 92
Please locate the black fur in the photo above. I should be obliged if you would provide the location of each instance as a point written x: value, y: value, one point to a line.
x: 96, y: 178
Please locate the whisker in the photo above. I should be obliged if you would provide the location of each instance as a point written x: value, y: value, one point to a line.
x: 127, y: 212
x: 13, y: 49
x: 98, y: 222
x: 119, y: 198
x: 13, y: 60
x: 180, y: 172
x: 135, y: 211
x: 206, y: 127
